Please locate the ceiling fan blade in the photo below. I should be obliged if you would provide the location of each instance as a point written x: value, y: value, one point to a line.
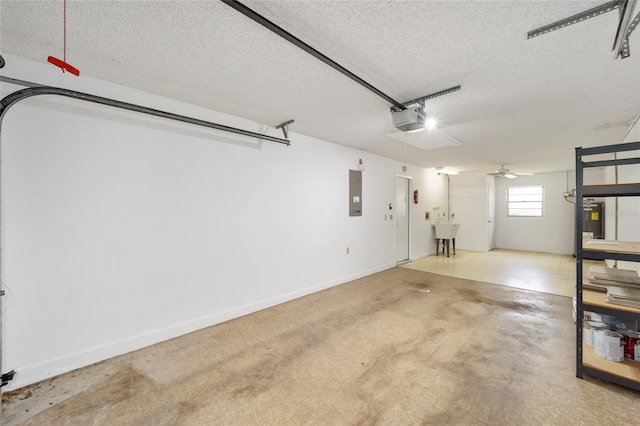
x: 506, y: 173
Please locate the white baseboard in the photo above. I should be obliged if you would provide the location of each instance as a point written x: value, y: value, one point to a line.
x: 33, y: 373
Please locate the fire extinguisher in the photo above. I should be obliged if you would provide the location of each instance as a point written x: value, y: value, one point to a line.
x: 415, y: 197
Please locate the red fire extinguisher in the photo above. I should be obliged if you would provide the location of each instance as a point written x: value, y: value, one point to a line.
x: 415, y: 197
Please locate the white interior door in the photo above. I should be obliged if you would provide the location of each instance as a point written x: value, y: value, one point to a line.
x: 402, y: 219
x: 491, y: 216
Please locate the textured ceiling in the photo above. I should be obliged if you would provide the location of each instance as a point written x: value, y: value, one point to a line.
x: 525, y: 103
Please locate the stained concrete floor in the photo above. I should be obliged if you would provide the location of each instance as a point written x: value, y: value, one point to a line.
x: 398, y: 347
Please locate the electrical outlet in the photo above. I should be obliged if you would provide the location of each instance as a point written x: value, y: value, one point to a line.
x: 347, y: 250
x: 426, y: 215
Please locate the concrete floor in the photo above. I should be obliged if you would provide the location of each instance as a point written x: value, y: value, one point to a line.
x: 398, y: 347
x: 543, y: 272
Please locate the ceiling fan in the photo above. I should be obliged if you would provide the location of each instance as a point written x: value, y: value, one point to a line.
x: 506, y: 173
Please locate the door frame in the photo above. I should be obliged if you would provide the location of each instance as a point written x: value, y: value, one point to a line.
x: 409, y: 179
x: 491, y: 215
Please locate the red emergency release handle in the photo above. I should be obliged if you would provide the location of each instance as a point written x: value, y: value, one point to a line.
x: 62, y: 64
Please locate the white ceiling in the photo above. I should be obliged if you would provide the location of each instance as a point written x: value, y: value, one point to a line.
x: 525, y: 103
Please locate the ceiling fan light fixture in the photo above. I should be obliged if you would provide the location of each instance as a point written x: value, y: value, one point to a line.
x: 446, y: 171
x: 502, y: 172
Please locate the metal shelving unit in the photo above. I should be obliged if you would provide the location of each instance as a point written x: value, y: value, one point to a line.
x: 626, y: 373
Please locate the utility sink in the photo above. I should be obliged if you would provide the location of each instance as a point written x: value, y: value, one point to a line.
x: 446, y: 231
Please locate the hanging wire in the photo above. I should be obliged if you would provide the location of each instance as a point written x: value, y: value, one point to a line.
x: 64, y: 32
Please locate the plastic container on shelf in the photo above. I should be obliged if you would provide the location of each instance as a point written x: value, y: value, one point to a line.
x: 609, y: 345
x: 589, y: 328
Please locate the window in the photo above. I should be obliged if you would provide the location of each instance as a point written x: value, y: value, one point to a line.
x: 524, y: 201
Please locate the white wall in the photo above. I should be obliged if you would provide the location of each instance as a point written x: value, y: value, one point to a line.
x: 430, y: 193
x: 626, y: 212
x: 121, y: 230
x: 552, y: 233
x: 469, y: 201
x: 629, y: 207
x: 432, y: 200
x: 622, y: 213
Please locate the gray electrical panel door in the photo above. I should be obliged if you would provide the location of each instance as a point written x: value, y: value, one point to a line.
x: 355, y: 193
